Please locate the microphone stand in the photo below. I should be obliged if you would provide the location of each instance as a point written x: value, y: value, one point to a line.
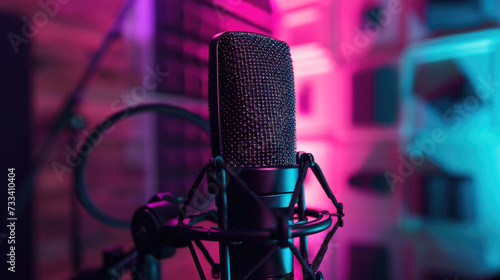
x: 69, y: 120
x: 116, y: 263
x: 163, y: 225
x: 156, y: 236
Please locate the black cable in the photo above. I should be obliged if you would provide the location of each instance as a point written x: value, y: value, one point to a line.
x: 80, y: 187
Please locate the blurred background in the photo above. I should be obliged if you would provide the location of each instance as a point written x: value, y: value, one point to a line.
x: 398, y: 100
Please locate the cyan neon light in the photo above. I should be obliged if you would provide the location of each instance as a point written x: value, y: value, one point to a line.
x: 471, y: 148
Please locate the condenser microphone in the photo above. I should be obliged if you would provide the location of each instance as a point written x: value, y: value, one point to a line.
x: 255, y: 174
x: 252, y: 123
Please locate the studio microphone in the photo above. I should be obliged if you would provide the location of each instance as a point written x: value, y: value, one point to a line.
x: 252, y: 124
x: 255, y: 174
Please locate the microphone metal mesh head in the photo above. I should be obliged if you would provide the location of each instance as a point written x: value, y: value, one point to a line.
x: 252, y: 100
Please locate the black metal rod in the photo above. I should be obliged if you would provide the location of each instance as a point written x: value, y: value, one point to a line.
x: 196, y: 261
x: 205, y: 252
x: 257, y: 264
x: 123, y: 263
x: 302, y: 261
x: 223, y: 224
x: 147, y: 268
x: 324, y: 247
x: 192, y: 191
x: 324, y: 184
x: 304, y: 166
x: 302, y: 217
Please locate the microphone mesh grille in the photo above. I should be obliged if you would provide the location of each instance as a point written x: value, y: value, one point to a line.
x: 256, y: 101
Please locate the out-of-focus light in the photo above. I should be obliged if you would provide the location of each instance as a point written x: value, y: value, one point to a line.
x: 309, y: 59
x: 292, y: 4
x: 301, y: 17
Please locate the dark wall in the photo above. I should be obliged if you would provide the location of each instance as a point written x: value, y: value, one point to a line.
x: 15, y: 143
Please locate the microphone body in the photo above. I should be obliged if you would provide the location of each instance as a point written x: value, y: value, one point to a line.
x: 252, y: 122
